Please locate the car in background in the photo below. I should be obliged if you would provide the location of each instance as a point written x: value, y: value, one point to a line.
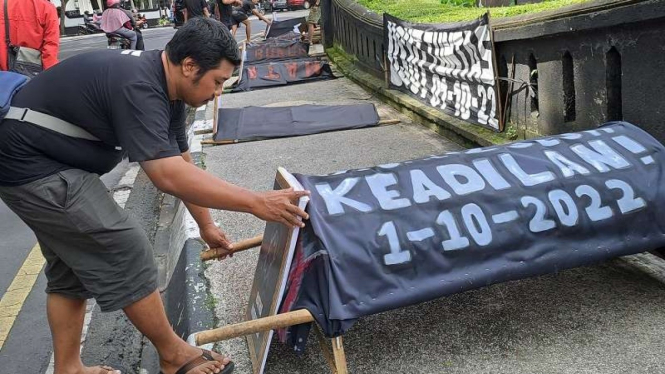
x: 289, y: 4
x: 279, y: 5
x: 265, y: 6
x: 298, y: 4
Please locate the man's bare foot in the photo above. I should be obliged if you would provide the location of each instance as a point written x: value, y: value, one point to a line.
x: 101, y: 370
x: 186, y: 353
x: 92, y: 370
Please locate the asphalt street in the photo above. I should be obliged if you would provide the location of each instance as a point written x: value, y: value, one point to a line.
x: 154, y: 38
x: 27, y: 348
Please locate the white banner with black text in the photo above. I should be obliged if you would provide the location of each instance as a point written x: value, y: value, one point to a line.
x: 447, y: 66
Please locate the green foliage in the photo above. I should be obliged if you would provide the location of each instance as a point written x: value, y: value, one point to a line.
x: 439, y: 11
x: 511, y: 131
x: 463, y: 3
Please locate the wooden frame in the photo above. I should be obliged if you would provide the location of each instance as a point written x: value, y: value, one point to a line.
x: 334, y: 355
x: 271, y: 273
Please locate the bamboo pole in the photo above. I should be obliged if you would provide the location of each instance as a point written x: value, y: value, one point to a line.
x: 327, y: 352
x: 217, y: 142
x: 278, y: 321
x: 240, y: 246
x: 340, y: 356
x: 203, y: 132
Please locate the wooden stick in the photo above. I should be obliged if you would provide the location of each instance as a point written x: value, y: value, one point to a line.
x: 278, y: 321
x: 240, y: 246
x: 388, y: 122
x: 509, y: 99
x: 325, y: 350
x: 217, y: 142
x: 204, y: 131
x: 497, y: 97
x: 340, y: 356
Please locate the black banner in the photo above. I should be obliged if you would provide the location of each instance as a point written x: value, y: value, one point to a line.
x: 254, y: 123
x: 278, y: 28
x: 448, y: 67
x: 281, y: 73
x: 400, y: 234
x: 275, y: 50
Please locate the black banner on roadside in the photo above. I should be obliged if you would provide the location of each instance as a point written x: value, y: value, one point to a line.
x: 395, y: 235
x: 282, y: 73
x: 446, y: 66
x: 275, y: 50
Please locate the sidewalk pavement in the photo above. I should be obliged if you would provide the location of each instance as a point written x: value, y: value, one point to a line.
x: 608, y: 318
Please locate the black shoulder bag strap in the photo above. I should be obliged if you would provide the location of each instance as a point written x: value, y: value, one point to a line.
x: 7, y: 40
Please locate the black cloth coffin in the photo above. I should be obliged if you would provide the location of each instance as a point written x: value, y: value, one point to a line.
x: 275, y: 50
x: 280, y: 73
x: 253, y: 123
x: 401, y: 234
x: 278, y: 28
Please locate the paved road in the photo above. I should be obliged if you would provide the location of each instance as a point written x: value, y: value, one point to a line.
x: 155, y: 38
x: 27, y: 348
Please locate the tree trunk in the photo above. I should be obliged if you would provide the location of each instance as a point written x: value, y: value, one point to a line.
x: 63, y: 6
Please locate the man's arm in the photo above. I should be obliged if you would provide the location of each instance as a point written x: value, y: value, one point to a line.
x: 51, y: 42
x: 200, y: 214
x: 204, y: 6
x: 209, y: 232
x: 177, y: 177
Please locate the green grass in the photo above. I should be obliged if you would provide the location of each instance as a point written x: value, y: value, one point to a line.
x: 440, y: 11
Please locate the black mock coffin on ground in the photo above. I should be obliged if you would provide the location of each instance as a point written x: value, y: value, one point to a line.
x: 396, y: 235
x: 275, y: 50
x: 280, y: 73
x: 254, y: 123
x: 278, y: 28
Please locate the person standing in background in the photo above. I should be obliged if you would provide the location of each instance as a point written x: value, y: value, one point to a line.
x: 195, y: 8
x: 242, y: 14
x: 224, y: 11
x: 313, y: 19
x: 32, y: 24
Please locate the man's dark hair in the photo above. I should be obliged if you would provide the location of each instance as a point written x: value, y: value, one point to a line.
x: 206, y: 41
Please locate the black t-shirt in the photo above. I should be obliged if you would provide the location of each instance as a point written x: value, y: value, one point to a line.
x: 247, y: 7
x: 195, y: 8
x: 121, y: 97
x: 225, y: 13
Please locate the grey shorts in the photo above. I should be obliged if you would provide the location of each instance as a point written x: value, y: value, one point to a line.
x: 93, y: 248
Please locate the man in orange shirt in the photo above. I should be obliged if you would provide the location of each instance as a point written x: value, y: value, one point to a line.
x: 32, y: 24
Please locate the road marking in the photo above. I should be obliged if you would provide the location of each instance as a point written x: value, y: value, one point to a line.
x: 12, y: 301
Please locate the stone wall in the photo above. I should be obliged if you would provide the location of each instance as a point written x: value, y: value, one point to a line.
x: 589, y: 64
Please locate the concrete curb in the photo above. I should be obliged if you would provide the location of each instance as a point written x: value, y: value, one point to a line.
x: 466, y: 134
x: 182, y: 284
